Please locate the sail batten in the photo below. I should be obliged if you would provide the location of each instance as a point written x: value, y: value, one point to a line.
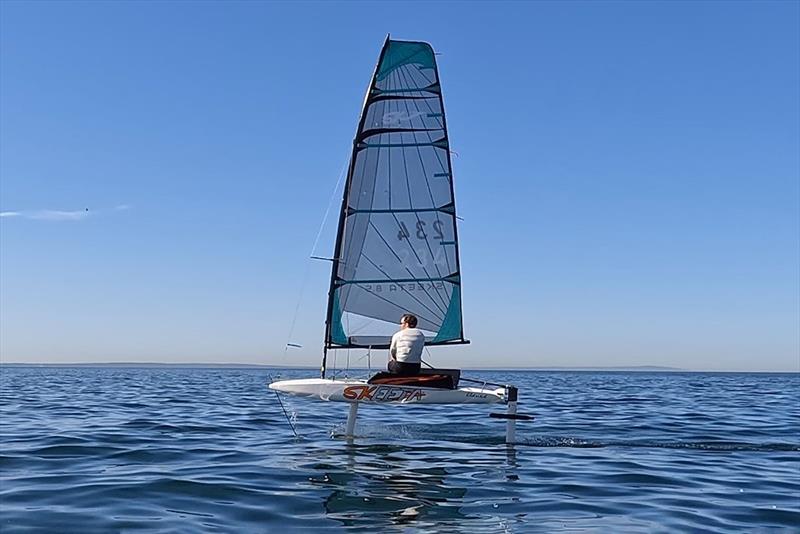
x: 397, y: 244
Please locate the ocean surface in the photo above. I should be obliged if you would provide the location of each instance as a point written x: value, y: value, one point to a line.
x: 202, y: 449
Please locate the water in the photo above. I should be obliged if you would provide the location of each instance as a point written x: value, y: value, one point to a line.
x: 117, y: 449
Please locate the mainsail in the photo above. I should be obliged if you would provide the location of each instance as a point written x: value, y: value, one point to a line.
x: 397, y: 245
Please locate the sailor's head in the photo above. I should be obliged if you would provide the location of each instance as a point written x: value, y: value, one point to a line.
x: 408, y: 321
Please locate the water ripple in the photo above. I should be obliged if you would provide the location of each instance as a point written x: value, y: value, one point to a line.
x: 107, y: 450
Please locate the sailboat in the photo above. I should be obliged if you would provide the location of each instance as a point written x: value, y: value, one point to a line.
x: 397, y: 248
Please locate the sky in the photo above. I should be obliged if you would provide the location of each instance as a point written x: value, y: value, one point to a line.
x: 628, y: 175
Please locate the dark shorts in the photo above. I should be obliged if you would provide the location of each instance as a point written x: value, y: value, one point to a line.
x: 403, y: 368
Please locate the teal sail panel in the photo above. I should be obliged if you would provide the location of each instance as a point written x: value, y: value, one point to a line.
x: 451, y: 326
x: 337, y: 330
x: 401, y: 53
x: 397, y: 243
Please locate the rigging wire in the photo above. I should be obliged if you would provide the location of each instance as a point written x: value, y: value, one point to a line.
x: 483, y: 383
x: 288, y: 419
x: 306, y: 273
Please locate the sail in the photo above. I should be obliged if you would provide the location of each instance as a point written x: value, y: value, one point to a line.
x: 396, y: 250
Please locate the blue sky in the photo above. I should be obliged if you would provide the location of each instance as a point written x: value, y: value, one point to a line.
x: 628, y: 174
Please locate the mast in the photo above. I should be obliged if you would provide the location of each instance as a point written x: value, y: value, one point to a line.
x: 343, y: 210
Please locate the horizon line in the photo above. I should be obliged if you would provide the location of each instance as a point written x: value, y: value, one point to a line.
x: 634, y: 368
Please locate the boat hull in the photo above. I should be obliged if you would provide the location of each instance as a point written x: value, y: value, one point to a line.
x: 350, y: 390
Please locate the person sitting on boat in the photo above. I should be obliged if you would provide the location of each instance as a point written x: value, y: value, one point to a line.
x: 405, y: 351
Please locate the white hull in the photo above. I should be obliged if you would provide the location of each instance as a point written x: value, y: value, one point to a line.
x: 352, y: 390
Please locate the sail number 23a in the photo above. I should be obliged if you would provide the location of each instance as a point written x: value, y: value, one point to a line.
x: 420, y: 233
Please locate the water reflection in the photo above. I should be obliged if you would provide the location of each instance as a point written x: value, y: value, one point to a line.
x: 374, y: 485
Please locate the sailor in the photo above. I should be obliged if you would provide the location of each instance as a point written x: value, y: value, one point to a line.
x: 405, y: 351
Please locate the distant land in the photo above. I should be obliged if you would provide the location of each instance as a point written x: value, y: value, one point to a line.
x: 642, y: 368
x: 156, y: 365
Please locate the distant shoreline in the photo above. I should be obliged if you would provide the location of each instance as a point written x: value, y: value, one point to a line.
x: 155, y: 365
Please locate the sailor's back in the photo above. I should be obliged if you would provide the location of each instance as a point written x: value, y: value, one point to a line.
x: 407, y: 345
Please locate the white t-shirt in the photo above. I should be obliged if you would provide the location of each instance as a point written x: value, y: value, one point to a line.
x: 407, y: 345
